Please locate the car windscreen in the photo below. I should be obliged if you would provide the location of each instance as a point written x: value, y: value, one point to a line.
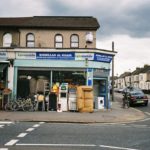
x: 135, y: 93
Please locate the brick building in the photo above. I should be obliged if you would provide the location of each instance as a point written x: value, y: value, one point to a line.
x: 59, y: 49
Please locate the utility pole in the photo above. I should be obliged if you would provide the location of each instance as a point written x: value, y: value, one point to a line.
x: 113, y: 73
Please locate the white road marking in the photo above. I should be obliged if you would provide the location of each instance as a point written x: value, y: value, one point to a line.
x: 65, y: 145
x: 41, y: 122
x: 77, y: 145
x: 1, y: 126
x: 30, y: 129
x: 6, y: 122
x: 147, y: 113
x: 3, y: 148
x: 36, y: 125
x: 144, y: 120
x: 22, y: 135
x: 11, y: 142
x: 113, y: 147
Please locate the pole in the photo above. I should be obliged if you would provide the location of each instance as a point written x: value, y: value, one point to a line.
x: 113, y: 73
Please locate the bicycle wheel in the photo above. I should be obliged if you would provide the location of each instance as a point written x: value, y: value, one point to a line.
x: 15, y: 106
x: 8, y: 106
x: 28, y: 107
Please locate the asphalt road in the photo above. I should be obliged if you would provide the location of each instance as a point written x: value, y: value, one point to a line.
x: 67, y: 136
x: 55, y: 136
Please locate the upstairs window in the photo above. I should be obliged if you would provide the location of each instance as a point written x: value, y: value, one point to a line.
x: 58, y: 41
x: 74, y: 41
x: 7, y: 40
x: 30, y: 40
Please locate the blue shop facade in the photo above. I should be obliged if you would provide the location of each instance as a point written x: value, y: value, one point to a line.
x: 75, y: 68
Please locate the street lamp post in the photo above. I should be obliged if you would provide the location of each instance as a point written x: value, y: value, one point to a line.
x: 130, y: 75
x: 113, y: 73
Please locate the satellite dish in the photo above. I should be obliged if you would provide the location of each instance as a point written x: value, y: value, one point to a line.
x: 89, y: 37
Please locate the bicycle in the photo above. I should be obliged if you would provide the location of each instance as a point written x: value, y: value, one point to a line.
x: 9, y: 105
x: 126, y: 103
x: 19, y: 104
x: 28, y: 105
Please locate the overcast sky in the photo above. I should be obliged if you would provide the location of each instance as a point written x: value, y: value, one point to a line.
x: 126, y: 22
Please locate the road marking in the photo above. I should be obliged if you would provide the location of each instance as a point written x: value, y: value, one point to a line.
x: 147, y: 113
x: 65, y: 145
x: 3, y: 148
x: 22, y: 135
x: 41, y: 122
x: 30, y: 129
x: 1, y: 126
x: 36, y: 125
x: 113, y: 147
x: 77, y: 145
x: 11, y: 142
x: 5, y: 122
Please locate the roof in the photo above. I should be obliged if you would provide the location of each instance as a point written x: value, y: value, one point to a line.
x: 67, y: 22
x: 125, y: 74
x: 146, y: 69
x: 137, y: 71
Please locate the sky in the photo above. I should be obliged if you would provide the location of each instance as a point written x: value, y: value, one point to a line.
x: 126, y: 22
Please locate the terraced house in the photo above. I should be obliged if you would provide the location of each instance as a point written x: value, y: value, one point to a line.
x: 56, y: 49
x: 139, y: 78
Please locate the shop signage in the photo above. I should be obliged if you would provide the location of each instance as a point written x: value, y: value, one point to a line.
x: 103, y: 57
x: 84, y: 56
x: 3, y: 55
x: 56, y: 55
x: 89, y: 76
x: 25, y: 55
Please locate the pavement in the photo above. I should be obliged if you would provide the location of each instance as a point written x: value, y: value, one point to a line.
x: 116, y: 114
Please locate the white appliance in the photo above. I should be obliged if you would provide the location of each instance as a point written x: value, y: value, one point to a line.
x: 63, y: 96
x: 72, y: 99
x: 100, y: 101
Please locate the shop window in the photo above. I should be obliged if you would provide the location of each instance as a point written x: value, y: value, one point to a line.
x: 30, y: 40
x: 74, y: 41
x: 7, y: 40
x: 58, y: 41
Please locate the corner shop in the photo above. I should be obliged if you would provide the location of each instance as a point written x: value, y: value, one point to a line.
x: 78, y: 68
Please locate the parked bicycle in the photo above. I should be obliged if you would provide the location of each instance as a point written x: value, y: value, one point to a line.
x: 21, y: 104
x: 126, y: 103
x: 9, y: 105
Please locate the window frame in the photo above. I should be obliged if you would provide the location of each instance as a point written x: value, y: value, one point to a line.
x: 58, y: 42
x: 74, y: 42
x: 30, y: 40
x: 5, y: 38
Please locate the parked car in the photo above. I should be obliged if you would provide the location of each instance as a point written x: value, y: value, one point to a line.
x: 130, y: 89
x: 136, y: 97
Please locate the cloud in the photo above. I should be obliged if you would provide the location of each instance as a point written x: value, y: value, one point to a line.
x: 132, y: 52
x: 19, y: 8
x: 115, y: 16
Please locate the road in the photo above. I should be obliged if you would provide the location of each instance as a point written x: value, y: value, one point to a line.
x: 67, y: 136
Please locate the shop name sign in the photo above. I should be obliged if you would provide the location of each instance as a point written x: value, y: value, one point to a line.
x: 84, y: 56
x: 62, y: 56
x: 3, y: 55
x: 103, y: 57
x: 25, y: 55
x: 55, y: 55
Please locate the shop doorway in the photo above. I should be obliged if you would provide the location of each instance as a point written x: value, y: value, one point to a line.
x: 100, y: 90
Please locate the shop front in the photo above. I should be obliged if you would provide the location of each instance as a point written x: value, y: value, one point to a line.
x: 5, y: 92
x: 56, y: 75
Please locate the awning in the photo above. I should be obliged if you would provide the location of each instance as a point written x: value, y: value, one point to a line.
x: 2, y: 67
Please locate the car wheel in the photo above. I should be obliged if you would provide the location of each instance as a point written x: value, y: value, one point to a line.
x: 146, y: 104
